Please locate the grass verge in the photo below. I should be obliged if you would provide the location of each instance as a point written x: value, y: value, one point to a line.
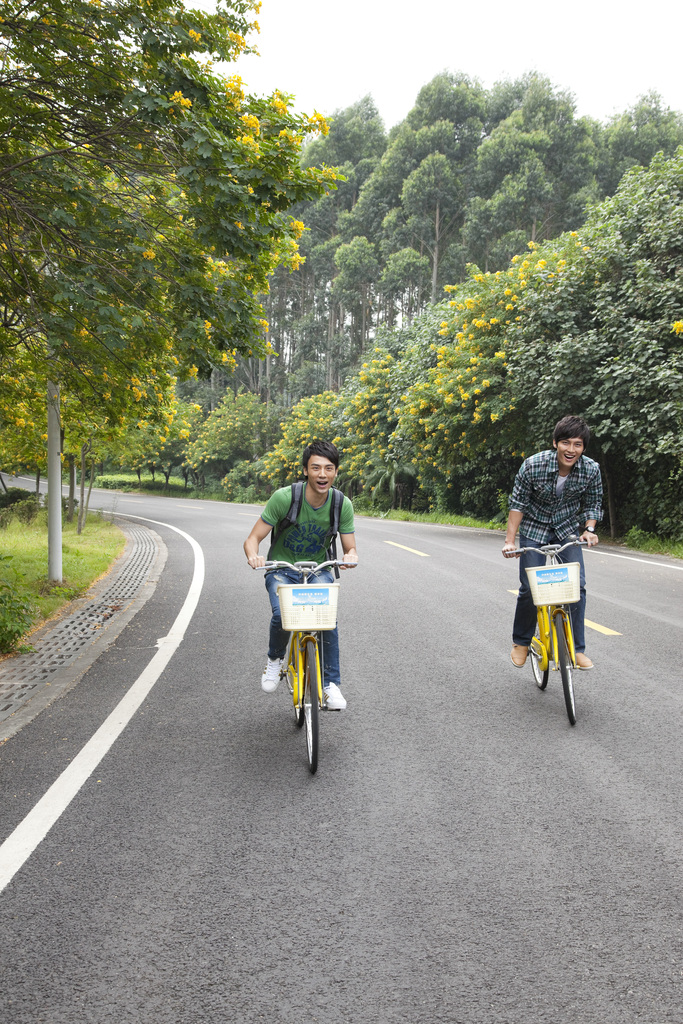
x: 84, y: 560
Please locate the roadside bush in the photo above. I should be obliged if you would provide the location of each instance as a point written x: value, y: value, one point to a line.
x: 11, y: 496
x: 24, y: 511
x: 130, y: 482
x: 16, y: 613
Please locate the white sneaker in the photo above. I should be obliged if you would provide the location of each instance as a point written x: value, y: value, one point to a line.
x: 334, y: 697
x: 271, y: 677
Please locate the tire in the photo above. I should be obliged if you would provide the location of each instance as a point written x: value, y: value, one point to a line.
x: 565, y: 668
x: 311, y: 705
x: 292, y: 671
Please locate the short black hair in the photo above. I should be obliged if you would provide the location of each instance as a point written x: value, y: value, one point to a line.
x: 572, y: 426
x: 323, y: 448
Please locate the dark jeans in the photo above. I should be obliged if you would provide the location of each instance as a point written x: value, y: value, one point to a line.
x: 279, y: 637
x: 525, y: 613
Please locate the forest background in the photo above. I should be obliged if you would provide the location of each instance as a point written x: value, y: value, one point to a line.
x: 434, y: 304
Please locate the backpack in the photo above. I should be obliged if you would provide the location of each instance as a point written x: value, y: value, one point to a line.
x: 293, y: 514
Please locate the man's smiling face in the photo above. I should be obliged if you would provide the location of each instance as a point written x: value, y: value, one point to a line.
x: 320, y: 474
x: 569, y: 451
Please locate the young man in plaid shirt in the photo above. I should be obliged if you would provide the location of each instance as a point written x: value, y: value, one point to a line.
x: 554, y: 493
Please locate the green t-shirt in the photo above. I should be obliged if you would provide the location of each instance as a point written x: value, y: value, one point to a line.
x: 305, y: 539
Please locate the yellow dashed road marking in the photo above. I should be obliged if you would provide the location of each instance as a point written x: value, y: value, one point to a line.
x: 422, y: 554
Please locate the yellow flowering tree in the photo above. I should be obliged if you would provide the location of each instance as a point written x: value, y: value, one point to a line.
x: 144, y: 195
x: 239, y: 429
x: 311, y: 418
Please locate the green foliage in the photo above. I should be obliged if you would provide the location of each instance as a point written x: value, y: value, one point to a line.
x: 309, y: 419
x: 23, y: 510
x: 240, y: 428
x: 16, y: 612
x: 11, y: 496
x: 243, y: 483
x: 130, y: 482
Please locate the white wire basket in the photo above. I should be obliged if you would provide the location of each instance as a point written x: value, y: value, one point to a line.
x: 308, y: 606
x: 555, y: 584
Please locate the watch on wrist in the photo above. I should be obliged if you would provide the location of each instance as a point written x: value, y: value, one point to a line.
x: 590, y: 529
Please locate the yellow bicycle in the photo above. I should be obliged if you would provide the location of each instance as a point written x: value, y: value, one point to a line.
x: 306, y: 609
x: 554, y: 587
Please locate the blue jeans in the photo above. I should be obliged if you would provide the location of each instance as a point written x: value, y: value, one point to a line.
x: 525, y: 613
x: 279, y: 637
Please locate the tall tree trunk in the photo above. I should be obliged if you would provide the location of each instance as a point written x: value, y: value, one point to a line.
x: 435, y: 258
x: 82, y: 508
x: 72, y: 488
x: 363, y: 324
x: 611, y: 507
x: 4, y: 485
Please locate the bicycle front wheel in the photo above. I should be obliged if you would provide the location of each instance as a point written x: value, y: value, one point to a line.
x: 535, y: 656
x: 293, y: 678
x: 311, y: 705
x: 565, y: 666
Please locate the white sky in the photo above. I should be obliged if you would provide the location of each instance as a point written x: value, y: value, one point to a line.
x: 606, y: 53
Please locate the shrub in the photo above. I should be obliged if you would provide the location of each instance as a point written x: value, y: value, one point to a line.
x: 11, y: 496
x: 25, y: 511
x: 16, y: 613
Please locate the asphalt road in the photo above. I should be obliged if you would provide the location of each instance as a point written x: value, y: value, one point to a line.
x: 462, y: 855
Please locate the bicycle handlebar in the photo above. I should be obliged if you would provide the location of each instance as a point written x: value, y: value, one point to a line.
x: 305, y: 567
x: 552, y: 549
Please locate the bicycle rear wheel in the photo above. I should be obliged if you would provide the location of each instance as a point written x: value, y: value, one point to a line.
x: 311, y: 705
x: 565, y: 666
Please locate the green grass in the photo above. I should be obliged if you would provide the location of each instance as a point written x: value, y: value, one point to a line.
x: 445, y: 518
x: 84, y: 560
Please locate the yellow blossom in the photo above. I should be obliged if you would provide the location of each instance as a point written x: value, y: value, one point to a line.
x: 178, y: 98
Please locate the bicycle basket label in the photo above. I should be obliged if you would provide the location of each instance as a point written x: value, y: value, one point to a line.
x: 310, y: 595
x: 557, y: 575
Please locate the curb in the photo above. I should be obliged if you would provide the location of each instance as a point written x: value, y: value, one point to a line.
x: 41, y: 686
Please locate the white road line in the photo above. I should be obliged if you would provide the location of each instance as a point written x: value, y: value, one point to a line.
x: 26, y: 837
x: 643, y: 561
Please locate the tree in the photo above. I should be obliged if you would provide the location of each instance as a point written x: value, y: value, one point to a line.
x: 633, y: 138
x: 311, y: 418
x: 358, y: 269
x: 173, y: 190
x: 240, y: 429
x: 535, y: 175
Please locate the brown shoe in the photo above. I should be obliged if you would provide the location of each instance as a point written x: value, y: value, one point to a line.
x: 518, y: 655
x: 583, y: 662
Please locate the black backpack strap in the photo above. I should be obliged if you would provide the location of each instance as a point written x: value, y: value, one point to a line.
x: 337, y: 500
x: 290, y: 518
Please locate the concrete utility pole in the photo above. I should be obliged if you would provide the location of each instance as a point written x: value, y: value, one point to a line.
x: 54, y: 485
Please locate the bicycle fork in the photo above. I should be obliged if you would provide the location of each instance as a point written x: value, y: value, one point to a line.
x: 296, y: 668
x: 545, y: 644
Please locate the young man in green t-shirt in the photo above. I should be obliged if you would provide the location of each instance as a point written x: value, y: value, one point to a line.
x: 305, y: 540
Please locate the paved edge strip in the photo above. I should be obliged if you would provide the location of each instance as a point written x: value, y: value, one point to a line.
x: 71, y: 673
x: 30, y: 832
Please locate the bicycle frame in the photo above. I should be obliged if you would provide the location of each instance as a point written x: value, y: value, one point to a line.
x: 545, y: 645
x: 295, y: 669
x: 555, y: 640
x: 302, y: 667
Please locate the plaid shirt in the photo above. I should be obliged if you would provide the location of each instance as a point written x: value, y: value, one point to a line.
x: 535, y: 494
